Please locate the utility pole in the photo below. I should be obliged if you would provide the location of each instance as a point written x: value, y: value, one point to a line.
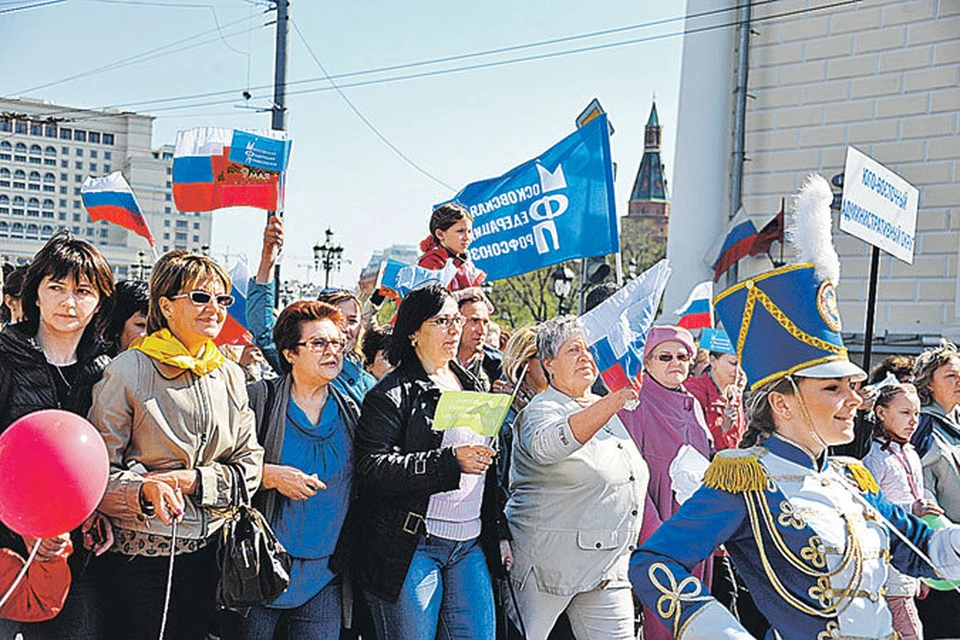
x: 279, y: 108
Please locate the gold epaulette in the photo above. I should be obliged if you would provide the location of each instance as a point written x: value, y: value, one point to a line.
x: 856, y: 471
x: 737, y: 471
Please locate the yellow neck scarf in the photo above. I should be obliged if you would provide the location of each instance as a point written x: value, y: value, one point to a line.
x: 164, y: 347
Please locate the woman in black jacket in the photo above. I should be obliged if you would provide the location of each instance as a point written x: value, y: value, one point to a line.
x: 427, y: 508
x: 51, y: 360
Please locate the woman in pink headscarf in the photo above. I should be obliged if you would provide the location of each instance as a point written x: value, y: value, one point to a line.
x: 671, y: 434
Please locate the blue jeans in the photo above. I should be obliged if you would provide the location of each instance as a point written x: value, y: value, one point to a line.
x: 318, y: 617
x: 447, y: 594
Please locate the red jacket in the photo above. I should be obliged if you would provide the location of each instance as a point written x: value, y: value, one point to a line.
x: 705, y: 391
x: 41, y: 593
x: 435, y: 257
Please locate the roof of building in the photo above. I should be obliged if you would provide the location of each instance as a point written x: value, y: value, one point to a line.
x: 649, y: 184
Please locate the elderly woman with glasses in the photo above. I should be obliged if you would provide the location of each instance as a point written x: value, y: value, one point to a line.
x: 669, y: 428
x: 427, y: 507
x: 577, y: 486
x: 306, y: 427
x: 180, y: 435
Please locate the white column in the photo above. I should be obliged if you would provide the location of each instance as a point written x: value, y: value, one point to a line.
x: 701, y: 177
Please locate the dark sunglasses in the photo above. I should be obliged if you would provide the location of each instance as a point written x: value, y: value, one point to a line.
x: 668, y: 357
x: 202, y: 297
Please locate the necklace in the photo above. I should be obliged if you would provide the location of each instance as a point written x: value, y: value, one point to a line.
x: 60, y: 372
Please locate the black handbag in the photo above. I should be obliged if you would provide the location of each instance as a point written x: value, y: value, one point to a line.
x: 254, y: 566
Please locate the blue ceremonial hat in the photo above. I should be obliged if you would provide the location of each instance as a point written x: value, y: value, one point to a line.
x: 787, y: 321
x: 784, y: 322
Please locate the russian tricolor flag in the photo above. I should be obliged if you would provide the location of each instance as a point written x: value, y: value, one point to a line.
x: 234, y: 330
x: 736, y: 245
x: 214, y: 168
x: 697, y: 311
x: 617, y: 328
x: 110, y: 198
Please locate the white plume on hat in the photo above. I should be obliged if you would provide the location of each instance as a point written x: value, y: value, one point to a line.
x: 810, y: 229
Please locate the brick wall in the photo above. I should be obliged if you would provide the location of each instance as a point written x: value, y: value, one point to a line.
x: 884, y: 76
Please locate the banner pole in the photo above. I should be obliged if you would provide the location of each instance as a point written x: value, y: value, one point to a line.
x: 871, y: 309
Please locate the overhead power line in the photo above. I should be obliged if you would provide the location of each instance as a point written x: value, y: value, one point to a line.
x: 403, y: 156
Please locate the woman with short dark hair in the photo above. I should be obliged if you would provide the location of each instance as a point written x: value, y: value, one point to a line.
x: 51, y: 360
x: 306, y: 427
x: 427, y: 508
x: 128, y: 321
x: 180, y: 437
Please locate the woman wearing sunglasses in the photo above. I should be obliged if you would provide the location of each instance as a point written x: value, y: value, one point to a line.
x: 667, y: 422
x: 180, y: 434
x: 427, y: 508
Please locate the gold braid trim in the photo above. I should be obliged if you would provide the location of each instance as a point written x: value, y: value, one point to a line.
x: 859, y: 473
x: 739, y: 474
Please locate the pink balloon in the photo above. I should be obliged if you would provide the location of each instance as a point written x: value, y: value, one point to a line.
x: 53, y: 472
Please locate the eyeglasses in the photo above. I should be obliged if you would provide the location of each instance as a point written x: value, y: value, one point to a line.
x: 202, y: 297
x: 668, y: 357
x: 319, y: 345
x: 445, y: 322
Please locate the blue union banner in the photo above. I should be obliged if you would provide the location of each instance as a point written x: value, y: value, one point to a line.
x: 556, y: 207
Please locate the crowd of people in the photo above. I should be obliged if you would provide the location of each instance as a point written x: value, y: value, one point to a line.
x: 705, y: 501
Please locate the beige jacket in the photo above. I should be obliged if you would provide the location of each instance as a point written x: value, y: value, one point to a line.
x: 156, y: 417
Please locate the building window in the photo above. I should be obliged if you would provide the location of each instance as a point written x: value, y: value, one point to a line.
x: 166, y: 223
x: 34, y: 176
x: 167, y: 197
x: 108, y: 155
x: 76, y: 191
x: 48, y: 203
x: 33, y: 232
x: 66, y: 134
x: 78, y: 178
x: 50, y: 151
x: 196, y: 238
x: 104, y: 233
x: 36, y: 129
x: 106, y: 168
x: 64, y: 164
x: 5, y: 125
x: 93, y: 167
x: 169, y: 171
x: 94, y: 137
x: 108, y: 139
x: 76, y: 217
x: 36, y: 160
x: 16, y: 230
x: 76, y: 204
x: 20, y: 148
x: 181, y: 224
x: 46, y: 231
x: 62, y: 216
x: 79, y: 153
x: 49, y: 162
x: 50, y: 131
x: 196, y: 226
x: 4, y: 156
x: 75, y: 229
x: 35, y: 149
x: 19, y: 174
x: 169, y: 184
x: 78, y: 165
x: 93, y: 153
x: 166, y: 248
x: 166, y: 236
x: 63, y: 202
x: 49, y: 178
x: 63, y: 176
x: 166, y: 209
x: 79, y: 136
x: 181, y: 237
x: 21, y: 126
x: 63, y: 190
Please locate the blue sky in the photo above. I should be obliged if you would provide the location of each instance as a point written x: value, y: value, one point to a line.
x: 458, y: 127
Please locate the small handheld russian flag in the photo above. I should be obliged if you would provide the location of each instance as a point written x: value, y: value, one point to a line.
x: 697, y: 311
x: 110, y: 198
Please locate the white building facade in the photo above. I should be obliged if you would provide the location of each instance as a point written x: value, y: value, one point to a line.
x: 47, y: 151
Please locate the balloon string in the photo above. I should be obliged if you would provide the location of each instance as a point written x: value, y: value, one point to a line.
x: 23, y: 572
x: 166, y: 596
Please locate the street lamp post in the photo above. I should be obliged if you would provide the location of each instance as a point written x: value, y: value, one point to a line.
x: 140, y: 269
x: 562, y: 285
x: 327, y: 255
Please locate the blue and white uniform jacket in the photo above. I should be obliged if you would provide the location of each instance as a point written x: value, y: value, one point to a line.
x: 807, y: 537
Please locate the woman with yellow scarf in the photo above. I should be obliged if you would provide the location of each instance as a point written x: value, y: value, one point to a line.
x: 180, y: 433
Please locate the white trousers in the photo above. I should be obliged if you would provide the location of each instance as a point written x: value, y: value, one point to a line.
x: 600, y: 614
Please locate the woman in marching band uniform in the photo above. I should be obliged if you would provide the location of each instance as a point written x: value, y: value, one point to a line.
x: 813, y: 537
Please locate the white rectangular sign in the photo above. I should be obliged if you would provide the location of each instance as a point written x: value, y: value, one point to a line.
x: 879, y: 207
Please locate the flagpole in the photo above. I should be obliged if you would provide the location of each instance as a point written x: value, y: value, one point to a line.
x: 278, y: 110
